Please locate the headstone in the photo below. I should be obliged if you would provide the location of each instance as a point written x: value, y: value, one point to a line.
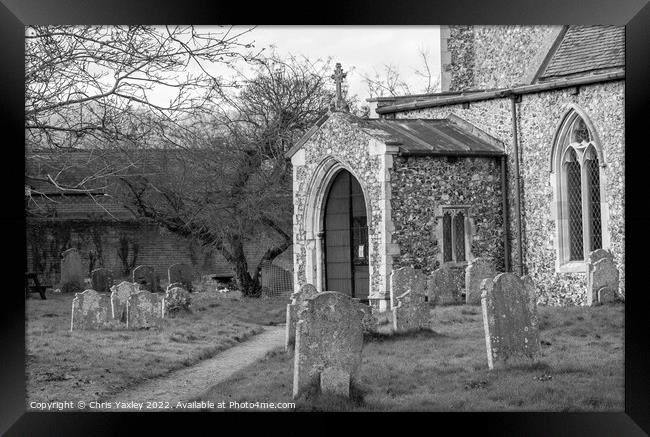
x: 369, y: 321
x: 120, y: 295
x: 71, y: 271
x: 177, y: 299
x: 102, y: 280
x: 510, y: 319
x: 335, y: 381
x: 442, y: 287
x: 146, y: 277
x: 181, y: 273
x: 477, y: 270
x: 144, y: 310
x: 406, y: 279
x: 90, y: 310
x: 411, y: 312
x: 329, y: 335
x: 174, y: 285
x: 602, y: 274
x: 599, y: 254
x: 305, y: 292
x: 607, y: 295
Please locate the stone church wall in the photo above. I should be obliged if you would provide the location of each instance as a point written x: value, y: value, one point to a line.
x: 539, y: 116
x: 486, y: 57
x: 421, y: 185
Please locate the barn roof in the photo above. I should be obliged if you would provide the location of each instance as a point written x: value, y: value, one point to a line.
x: 451, y: 136
x: 584, y: 49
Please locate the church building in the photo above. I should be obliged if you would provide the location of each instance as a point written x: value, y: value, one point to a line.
x: 520, y: 159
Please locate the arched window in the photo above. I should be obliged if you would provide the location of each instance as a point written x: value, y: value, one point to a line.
x: 577, y: 169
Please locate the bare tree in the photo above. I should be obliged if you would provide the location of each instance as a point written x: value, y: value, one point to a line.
x: 389, y: 81
x: 224, y: 180
x: 95, y: 86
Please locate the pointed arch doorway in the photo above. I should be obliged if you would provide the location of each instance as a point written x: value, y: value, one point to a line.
x: 345, y: 242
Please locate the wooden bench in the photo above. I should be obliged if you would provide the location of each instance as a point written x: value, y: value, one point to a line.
x: 36, y: 288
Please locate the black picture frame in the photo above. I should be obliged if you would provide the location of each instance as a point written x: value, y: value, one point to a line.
x: 634, y: 14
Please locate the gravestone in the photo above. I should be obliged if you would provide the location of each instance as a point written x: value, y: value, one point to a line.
x: 329, y: 341
x: 177, y: 300
x: 599, y: 254
x: 90, y: 310
x: 411, y: 312
x: 305, y: 292
x: 120, y: 295
x: 174, y: 285
x: 146, y: 277
x: 102, y: 280
x: 144, y: 310
x: 607, y: 295
x: 406, y: 279
x: 477, y: 270
x: 369, y: 321
x: 71, y: 271
x: 602, y: 274
x: 181, y: 273
x: 510, y: 319
x: 442, y: 287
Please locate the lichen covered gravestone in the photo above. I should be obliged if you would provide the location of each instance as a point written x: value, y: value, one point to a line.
x: 329, y: 341
x: 305, y: 292
x: 442, y: 287
x: 71, y: 271
x: 120, y: 294
x: 102, y: 280
x: 181, y: 273
x: 411, y: 312
x: 177, y: 300
x: 369, y: 321
x: 144, y: 310
x: 90, y: 310
x: 146, y: 277
x: 602, y: 274
x: 406, y: 279
x: 509, y: 319
x: 477, y: 270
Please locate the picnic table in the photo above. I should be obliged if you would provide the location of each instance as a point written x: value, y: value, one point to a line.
x: 36, y: 288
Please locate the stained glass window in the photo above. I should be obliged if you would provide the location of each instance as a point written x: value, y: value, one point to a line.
x: 446, y: 237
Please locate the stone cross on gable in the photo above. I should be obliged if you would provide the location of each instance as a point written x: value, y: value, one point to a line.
x: 338, y: 103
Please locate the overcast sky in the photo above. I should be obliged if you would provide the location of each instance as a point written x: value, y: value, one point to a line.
x: 360, y: 49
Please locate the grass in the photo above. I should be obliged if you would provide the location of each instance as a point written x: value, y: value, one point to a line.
x: 445, y: 368
x: 89, y: 365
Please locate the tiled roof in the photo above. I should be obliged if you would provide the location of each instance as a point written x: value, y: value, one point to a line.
x: 586, y: 49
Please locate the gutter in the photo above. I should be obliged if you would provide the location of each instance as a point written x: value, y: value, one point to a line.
x: 503, y: 93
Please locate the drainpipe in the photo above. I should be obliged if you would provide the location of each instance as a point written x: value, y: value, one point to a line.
x: 504, y: 198
x: 515, y: 149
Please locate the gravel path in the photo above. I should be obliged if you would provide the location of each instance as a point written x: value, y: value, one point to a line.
x: 164, y: 393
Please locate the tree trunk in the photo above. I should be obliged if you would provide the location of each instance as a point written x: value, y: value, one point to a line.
x: 247, y: 285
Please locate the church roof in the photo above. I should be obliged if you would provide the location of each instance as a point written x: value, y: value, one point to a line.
x: 451, y: 136
x: 584, y: 49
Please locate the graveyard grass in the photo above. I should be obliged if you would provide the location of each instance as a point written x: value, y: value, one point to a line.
x: 91, y: 365
x: 445, y: 368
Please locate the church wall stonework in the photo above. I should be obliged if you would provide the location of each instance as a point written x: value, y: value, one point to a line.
x: 421, y: 185
x: 539, y: 116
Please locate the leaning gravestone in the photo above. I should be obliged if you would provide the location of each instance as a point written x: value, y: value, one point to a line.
x: 369, y: 321
x: 329, y: 340
x: 144, y: 310
x: 477, y: 270
x: 90, y: 310
x: 102, y: 280
x: 411, y: 312
x: 181, y: 273
x: 406, y: 279
x: 71, y: 271
x: 298, y: 298
x: 177, y: 300
x: 146, y: 277
x: 442, y: 287
x: 509, y: 319
x: 120, y: 295
x: 602, y: 274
